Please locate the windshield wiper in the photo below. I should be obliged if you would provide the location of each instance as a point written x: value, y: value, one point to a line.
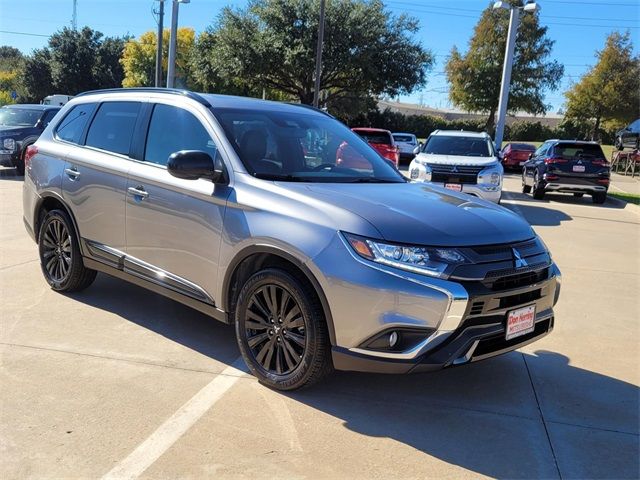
x: 374, y: 180
x: 278, y: 177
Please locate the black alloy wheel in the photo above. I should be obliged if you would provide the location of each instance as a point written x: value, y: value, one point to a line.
x: 275, y: 329
x: 281, y: 330
x: 60, y: 256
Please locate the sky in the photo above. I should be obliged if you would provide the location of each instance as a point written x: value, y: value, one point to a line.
x: 579, y: 29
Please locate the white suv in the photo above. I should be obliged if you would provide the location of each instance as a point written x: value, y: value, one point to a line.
x: 461, y: 161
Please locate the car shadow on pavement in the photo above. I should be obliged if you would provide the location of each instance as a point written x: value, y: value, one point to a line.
x: 485, y: 417
x: 567, y: 199
x: 10, y: 174
x: 539, y: 215
x: 163, y: 316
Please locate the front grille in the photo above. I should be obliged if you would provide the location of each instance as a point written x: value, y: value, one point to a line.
x: 525, y: 248
x: 497, y: 343
x: 519, y: 298
x: 498, y: 283
x: 476, y: 308
x: 467, y: 174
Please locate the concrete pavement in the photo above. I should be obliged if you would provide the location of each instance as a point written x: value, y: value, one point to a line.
x: 87, y: 378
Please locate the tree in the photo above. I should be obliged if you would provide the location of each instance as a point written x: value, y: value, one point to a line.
x: 610, y: 91
x: 271, y: 45
x: 11, y: 63
x: 35, y: 80
x: 475, y: 77
x: 139, y: 59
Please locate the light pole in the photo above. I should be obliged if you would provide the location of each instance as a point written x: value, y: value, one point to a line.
x: 159, y: 44
x: 173, y: 42
x: 316, y: 90
x: 514, y: 22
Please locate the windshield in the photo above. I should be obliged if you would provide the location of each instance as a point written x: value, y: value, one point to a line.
x: 404, y: 138
x: 286, y: 146
x: 580, y: 150
x: 19, y: 117
x: 459, y: 146
x: 523, y: 146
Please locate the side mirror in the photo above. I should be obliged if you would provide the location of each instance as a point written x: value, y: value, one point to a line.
x: 416, y: 150
x: 194, y: 164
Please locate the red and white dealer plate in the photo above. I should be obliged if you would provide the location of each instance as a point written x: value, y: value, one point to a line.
x: 456, y: 187
x: 520, y: 322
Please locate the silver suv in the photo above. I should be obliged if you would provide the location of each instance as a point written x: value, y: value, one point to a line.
x: 238, y: 208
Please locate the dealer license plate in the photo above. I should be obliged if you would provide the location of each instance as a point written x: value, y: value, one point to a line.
x: 520, y: 322
x: 453, y: 186
x: 578, y: 168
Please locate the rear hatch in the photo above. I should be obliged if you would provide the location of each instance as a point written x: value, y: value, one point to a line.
x: 381, y: 141
x: 580, y: 162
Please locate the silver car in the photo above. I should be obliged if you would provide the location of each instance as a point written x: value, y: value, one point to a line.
x: 238, y: 208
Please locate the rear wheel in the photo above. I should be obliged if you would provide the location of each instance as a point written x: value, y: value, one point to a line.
x: 281, y: 331
x: 60, y: 257
x: 538, y: 189
x: 599, y: 197
x: 525, y: 188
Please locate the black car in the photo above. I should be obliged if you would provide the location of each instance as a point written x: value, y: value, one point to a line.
x: 20, y: 126
x: 567, y: 166
x: 629, y: 136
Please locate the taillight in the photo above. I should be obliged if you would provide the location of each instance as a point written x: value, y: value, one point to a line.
x: 600, y: 163
x: 29, y: 154
x: 553, y: 160
x: 604, y: 181
x: 550, y: 177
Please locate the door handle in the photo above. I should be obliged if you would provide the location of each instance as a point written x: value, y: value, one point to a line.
x: 72, y: 173
x: 138, y: 191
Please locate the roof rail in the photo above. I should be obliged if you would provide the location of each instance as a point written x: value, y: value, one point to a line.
x: 175, y: 91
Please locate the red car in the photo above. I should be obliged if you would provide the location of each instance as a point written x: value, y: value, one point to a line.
x: 381, y: 141
x: 515, y: 154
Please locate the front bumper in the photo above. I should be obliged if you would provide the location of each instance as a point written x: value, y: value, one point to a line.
x: 458, y: 321
x: 8, y: 159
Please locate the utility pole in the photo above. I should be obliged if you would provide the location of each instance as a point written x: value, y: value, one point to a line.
x: 173, y: 43
x: 514, y: 23
x: 159, y: 45
x: 316, y: 91
x: 74, y: 17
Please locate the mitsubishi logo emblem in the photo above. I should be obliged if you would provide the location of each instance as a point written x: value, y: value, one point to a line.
x: 518, y: 260
x: 454, y: 169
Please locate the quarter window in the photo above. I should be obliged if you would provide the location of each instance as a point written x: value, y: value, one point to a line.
x: 71, y: 127
x: 113, y: 125
x: 173, y: 129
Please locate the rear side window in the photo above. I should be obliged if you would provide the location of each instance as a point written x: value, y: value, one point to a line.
x: 173, y: 129
x: 72, y: 125
x: 112, y: 128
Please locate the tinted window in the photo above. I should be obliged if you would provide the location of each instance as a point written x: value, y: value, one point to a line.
x: 300, y: 146
x: 404, y: 138
x: 542, y: 149
x: 578, y: 150
x: 72, y: 126
x: 522, y: 146
x: 459, y: 146
x: 112, y: 127
x: 48, y: 117
x: 375, y: 137
x: 635, y: 126
x: 173, y: 129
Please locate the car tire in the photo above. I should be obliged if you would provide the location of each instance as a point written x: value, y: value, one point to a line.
x: 285, y: 350
x: 538, y: 190
x: 599, y: 197
x: 578, y: 195
x: 20, y: 163
x: 525, y: 188
x: 619, y: 144
x: 60, y: 256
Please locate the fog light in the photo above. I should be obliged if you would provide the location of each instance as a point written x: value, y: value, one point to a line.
x: 393, y: 339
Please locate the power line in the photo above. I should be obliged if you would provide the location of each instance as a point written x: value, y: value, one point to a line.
x: 607, y: 4
x: 24, y: 33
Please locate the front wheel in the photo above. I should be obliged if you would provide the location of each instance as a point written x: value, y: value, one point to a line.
x: 619, y: 144
x: 60, y: 257
x: 525, y: 188
x: 281, y: 331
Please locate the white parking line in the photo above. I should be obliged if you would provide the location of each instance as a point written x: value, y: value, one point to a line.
x: 174, y: 427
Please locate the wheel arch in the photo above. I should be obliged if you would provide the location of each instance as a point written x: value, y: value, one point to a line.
x: 256, y: 257
x: 51, y: 201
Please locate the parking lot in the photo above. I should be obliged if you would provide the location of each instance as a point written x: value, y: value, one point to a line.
x: 119, y: 381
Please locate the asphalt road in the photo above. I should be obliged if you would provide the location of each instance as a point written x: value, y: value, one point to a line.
x: 121, y: 382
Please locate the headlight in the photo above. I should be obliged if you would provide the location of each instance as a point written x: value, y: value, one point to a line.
x: 9, y: 144
x: 431, y: 261
x: 492, y: 175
